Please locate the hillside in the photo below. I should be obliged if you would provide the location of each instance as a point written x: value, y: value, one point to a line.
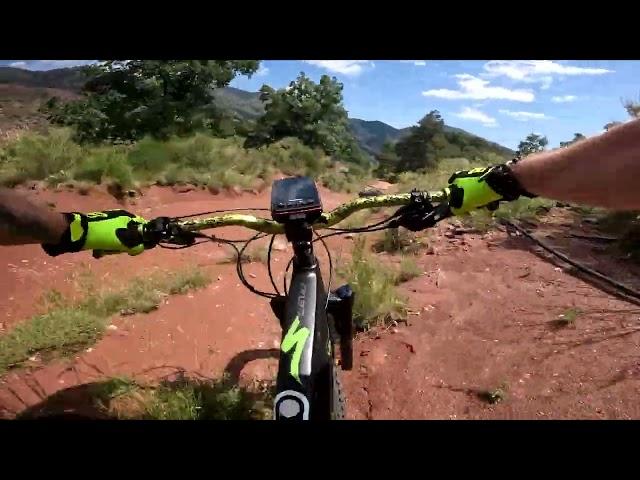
x: 371, y: 134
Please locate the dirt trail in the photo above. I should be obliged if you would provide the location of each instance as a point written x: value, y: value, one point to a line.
x: 485, y: 305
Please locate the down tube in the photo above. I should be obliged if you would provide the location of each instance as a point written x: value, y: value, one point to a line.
x: 304, y: 349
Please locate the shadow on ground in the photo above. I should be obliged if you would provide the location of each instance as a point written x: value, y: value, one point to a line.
x: 180, y: 396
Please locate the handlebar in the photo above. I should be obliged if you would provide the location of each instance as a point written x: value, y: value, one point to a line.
x: 326, y: 220
x: 184, y: 232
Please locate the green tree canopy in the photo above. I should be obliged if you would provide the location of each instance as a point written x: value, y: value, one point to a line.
x: 126, y: 100
x: 532, y: 144
x: 418, y: 149
x: 312, y: 112
x: 576, y: 138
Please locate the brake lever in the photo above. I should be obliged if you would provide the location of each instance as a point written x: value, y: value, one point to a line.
x: 421, y: 214
x: 166, y: 230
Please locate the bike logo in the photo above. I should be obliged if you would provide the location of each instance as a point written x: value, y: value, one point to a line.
x: 291, y: 405
x: 295, y: 339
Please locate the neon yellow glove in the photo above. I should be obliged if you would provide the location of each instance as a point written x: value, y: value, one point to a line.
x: 483, y: 187
x: 110, y: 231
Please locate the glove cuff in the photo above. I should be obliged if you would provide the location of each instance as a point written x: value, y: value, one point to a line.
x: 70, y: 242
x: 502, y: 180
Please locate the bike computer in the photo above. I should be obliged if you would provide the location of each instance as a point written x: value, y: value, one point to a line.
x: 295, y: 198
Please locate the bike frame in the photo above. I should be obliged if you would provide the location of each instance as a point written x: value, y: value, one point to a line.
x: 303, y: 388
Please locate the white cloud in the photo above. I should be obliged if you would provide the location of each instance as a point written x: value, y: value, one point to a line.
x: 346, y: 67
x: 475, y: 88
x: 50, y: 64
x: 417, y: 63
x: 524, y: 116
x: 564, y: 98
x: 537, y: 71
x: 473, y: 114
x: 262, y: 71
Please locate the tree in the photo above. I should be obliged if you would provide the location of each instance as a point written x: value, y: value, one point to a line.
x: 126, y: 100
x: 416, y: 151
x: 576, y: 138
x: 532, y: 144
x: 387, y: 161
x: 632, y: 108
x: 312, y: 112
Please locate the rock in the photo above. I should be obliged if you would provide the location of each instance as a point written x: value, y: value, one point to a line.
x: 430, y: 250
x: 348, y: 235
x: 112, y: 327
x: 252, y: 275
x: 219, y: 277
x: 235, y: 190
x: 370, y: 192
x: 183, y: 188
x: 213, y: 189
x: 279, y: 245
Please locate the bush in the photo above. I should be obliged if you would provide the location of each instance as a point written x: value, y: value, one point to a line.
x: 398, y: 240
x: 35, y: 156
x: 149, y: 156
x: 376, y: 298
x: 105, y: 163
x: 409, y: 269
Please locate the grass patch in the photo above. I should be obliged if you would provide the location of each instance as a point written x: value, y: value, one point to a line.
x: 182, y: 399
x: 255, y: 254
x: 377, y: 300
x: 194, y: 400
x: 394, y: 240
x: 566, y: 319
x: 494, y: 396
x: 62, y: 331
x: 70, y: 326
x: 528, y: 209
x: 409, y: 270
x: 199, y: 159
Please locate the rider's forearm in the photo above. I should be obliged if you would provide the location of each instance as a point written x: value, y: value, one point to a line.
x: 599, y: 171
x: 22, y: 221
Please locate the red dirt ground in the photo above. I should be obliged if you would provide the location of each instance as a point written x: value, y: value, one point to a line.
x: 483, y: 319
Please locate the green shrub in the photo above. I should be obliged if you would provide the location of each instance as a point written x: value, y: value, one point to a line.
x: 35, y: 156
x: 105, y: 163
x: 409, y: 269
x: 376, y: 298
x: 149, y: 156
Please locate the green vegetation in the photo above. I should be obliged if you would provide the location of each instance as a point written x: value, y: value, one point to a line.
x: 250, y: 255
x: 409, y: 270
x: 128, y: 100
x: 199, y: 159
x: 532, y: 144
x: 528, y: 209
x: 377, y: 300
x: 395, y: 240
x: 197, y: 400
x: 430, y: 142
x: 496, y: 395
x: 70, y: 326
x: 312, y: 112
x: 566, y: 319
x: 181, y: 399
x: 577, y: 137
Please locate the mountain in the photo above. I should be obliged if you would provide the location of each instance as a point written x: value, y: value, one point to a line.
x: 62, y: 78
x: 371, y: 134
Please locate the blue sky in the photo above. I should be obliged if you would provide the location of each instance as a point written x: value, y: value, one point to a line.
x: 502, y: 101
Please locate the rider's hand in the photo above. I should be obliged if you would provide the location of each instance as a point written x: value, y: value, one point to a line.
x: 110, y: 231
x: 483, y: 187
